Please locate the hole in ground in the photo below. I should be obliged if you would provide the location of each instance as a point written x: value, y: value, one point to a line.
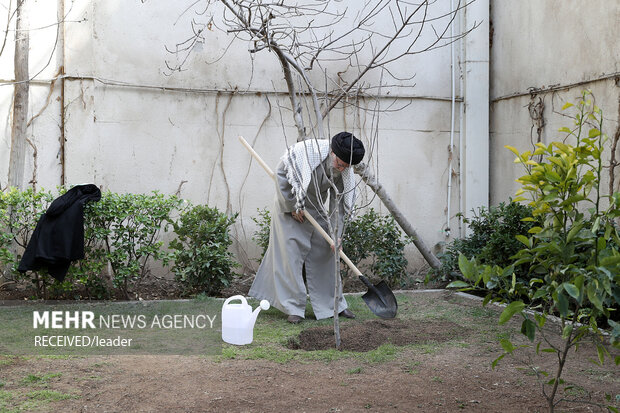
x: 368, y: 335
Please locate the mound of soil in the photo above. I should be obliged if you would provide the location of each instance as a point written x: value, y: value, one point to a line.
x: 368, y: 335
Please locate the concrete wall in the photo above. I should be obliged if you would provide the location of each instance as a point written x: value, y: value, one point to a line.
x: 129, y: 125
x: 44, y: 101
x: 553, y: 49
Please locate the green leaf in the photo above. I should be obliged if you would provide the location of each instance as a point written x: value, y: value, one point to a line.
x: 494, y: 364
x: 513, y: 150
x: 487, y: 299
x: 507, y: 345
x: 458, y: 284
x: 593, y: 296
x: 562, y: 304
x: 610, y: 261
x: 524, y: 240
x: 528, y: 328
x: 467, y: 267
x: 578, y: 281
x: 573, y: 231
x: 564, y: 129
x: 541, y: 292
x: 572, y: 290
x: 512, y: 309
x: 601, y: 353
x: 566, y: 332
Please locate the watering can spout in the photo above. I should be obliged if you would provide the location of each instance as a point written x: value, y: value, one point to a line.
x: 264, y: 305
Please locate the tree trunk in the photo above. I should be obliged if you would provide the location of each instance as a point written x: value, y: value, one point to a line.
x: 371, y: 181
x: 20, y: 100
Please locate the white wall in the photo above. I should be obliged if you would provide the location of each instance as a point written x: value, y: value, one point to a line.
x: 130, y: 127
x: 559, y: 48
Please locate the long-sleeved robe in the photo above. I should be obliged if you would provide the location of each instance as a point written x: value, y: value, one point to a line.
x: 291, y: 244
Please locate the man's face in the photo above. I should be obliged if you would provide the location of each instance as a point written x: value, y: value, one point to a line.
x: 338, y: 163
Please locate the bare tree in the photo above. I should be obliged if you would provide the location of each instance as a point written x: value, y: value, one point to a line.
x: 326, y: 53
x: 306, y: 36
x: 20, y: 99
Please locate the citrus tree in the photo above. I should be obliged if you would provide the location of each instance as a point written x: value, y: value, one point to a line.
x: 573, y: 254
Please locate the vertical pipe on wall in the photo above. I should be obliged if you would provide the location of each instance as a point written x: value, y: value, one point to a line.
x: 476, y: 100
x: 447, y: 229
x: 61, y: 72
x: 461, y: 58
x: 461, y: 124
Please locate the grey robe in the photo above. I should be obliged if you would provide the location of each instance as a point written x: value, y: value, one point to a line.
x: 291, y: 244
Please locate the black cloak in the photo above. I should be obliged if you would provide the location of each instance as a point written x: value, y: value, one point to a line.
x: 58, y: 237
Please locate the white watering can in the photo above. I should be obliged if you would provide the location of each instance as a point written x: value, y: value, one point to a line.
x: 238, y: 320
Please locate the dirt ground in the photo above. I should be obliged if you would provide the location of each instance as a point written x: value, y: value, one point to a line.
x: 444, y: 376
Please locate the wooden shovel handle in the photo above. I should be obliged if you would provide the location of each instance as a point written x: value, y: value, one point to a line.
x: 306, y: 213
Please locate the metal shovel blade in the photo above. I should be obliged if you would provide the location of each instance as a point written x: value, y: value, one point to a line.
x: 380, y: 299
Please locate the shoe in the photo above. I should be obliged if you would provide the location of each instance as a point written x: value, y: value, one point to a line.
x: 294, y: 319
x: 347, y: 313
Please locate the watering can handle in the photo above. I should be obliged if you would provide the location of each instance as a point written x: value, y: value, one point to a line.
x: 306, y: 213
x: 236, y: 297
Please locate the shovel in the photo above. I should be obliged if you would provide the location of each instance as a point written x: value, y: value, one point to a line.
x: 379, y: 298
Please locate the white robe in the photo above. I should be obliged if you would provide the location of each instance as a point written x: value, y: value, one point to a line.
x: 291, y: 244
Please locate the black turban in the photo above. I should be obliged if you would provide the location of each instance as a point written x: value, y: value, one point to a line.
x: 348, y: 148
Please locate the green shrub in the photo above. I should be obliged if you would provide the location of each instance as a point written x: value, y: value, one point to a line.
x: 202, y: 261
x: 124, y: 230
x: 492, y: 241
x: 122, y: 234
x: 376, y: 245
x: 19, y: 214
x: 261, y: 235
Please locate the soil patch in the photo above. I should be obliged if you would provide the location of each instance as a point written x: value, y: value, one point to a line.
x: 368, y: 335
x: 454, y: 376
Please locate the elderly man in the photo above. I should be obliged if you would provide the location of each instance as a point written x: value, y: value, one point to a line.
x: 304, y: 177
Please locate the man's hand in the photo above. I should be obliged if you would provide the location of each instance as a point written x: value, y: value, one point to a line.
x: 298, y: 215
x: 339, y: 243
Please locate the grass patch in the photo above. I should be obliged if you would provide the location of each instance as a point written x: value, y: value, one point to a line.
x: 49, y: 395
x: 34, y: 379
x: 357, y: 370
x: 576, y: 391
x: 384, y: 353
x: 5, y: 396
x: 6, y: 362
x: 32, y: 401
x: 411, y: 367
x: 57, y: 357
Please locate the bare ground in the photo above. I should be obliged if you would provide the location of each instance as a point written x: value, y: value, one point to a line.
x: 452, y: 373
